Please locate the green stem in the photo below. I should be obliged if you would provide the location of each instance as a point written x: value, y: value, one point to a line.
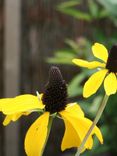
x: 48, y: 132
x: 98, y: 115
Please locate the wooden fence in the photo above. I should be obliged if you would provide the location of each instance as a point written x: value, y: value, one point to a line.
x: 30, y: 31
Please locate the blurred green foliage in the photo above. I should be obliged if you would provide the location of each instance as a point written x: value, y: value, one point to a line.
x: 101, y: 18
x: 94, y: 11
x: 110, y: 6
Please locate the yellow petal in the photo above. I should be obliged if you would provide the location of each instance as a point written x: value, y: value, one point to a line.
x: 71, y: 137
x: 36, y: 136
x: 110, y: 84
x: 100, y: 51
x: 20, y: 103
x: 89, y: 65
x: 4, y: 102
x: 75, y: 131
x: 13, y: 117
x: 87, y: 124
x: 10, y: 118
x: 74, y: 109
x: 94, y: 82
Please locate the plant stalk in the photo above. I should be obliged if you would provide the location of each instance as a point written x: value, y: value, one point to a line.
x: 98, y: 115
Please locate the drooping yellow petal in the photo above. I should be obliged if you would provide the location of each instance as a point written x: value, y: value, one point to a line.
x: 94, y: 82
x: 13, y: 117
x: 74, y: 109
x: 20, y: 103
x: 110, y: 84
x: 100, y: 51
x: 71, y: 137
x: 36, y: 136
x: 89, y: 65
x: 85, y: 122
x: 10, y: 118
x: 75, y: 131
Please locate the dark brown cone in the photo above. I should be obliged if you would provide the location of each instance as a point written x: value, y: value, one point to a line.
x: 112, y: 60
x: 55, y: 94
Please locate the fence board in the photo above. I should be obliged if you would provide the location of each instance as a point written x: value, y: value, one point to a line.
x: 11, y: 68
x: 1, y: 75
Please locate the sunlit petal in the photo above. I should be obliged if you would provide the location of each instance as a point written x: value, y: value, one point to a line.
x: 94, y: 82
x: 71, y: 137
x: 36, y: 136
x: 110, y: 84
x: 20, y: 103
x: 74, y: 109
x: 75, y: 131
x: 89, y: 65
x: 100, y: 51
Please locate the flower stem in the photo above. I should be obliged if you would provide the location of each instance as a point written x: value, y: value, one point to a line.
x: 98, y: 115
x: 48, y: 132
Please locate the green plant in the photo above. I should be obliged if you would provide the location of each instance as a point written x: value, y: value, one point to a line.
x: 97, y: 14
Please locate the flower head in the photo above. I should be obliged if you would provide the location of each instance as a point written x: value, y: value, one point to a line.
x: 53, y: 101
x: 107, y: 70
x: 55, y: 94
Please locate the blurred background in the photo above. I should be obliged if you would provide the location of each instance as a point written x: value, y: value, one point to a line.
x: 36, y: 34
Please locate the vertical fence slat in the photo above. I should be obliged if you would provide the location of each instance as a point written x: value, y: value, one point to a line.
x: 11, y: 68
x: 1, y: 73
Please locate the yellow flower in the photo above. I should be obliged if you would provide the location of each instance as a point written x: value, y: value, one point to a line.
x: 53, y: 102
x: 107, y: 70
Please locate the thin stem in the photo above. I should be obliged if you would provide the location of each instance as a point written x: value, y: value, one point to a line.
x: 48, y: 133
x: 98, y: 115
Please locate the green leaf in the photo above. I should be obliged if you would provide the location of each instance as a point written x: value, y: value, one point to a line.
x: 67, y: 8
x: 59, y: 61
x: 62, y: 57
x: 109, y: 5
x: 67, y: 54
x: 68, y: 4
x: 103, y: 14
x: 93, y: 8
x: 72, y: 44
x: 75, y: 13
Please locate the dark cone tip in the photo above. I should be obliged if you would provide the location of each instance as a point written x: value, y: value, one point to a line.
x: 113, y: 52
x: 55, y: 75
x: 55, y: 94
